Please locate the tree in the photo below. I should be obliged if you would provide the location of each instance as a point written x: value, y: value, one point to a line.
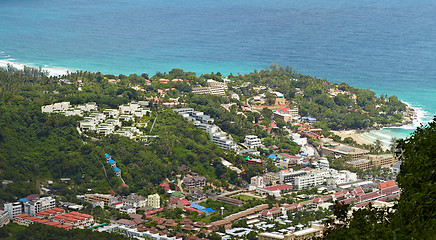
x: 270, y: 98
x: 214, y: 236
x: 417, y: 179
x: 414, y: 216
x: 252, y: 235
x: 377, y: 146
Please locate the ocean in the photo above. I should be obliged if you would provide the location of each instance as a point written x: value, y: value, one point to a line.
x: 386, y: 46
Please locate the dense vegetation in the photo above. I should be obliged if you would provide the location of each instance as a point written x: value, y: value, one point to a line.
x: 414, y: 217
x: 43, y: 232
x: 337, y: 112
x: 37, y: 147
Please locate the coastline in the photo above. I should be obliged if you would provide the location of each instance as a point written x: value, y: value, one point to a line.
x: 367, y: 136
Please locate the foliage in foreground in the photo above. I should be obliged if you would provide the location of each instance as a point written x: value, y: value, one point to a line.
x: 415, y: 216
x: 44, y: 232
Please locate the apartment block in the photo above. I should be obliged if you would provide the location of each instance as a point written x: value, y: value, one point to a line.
x: 35, y: 206
x: 252, y: 141
x: 341, y: 150
x: 153, y: 200
x: 13, y: 209
x: 106, y: 198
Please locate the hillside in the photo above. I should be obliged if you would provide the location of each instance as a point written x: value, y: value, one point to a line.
x: 37, y: 147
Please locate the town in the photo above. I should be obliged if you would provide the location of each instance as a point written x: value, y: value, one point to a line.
x: 283, y: 174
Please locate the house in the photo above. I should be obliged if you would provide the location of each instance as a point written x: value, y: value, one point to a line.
x: 271, y: 213
x: 276, y: 190
x: 197, y: 195
x: 387, y: 184
x: 194, y: 182
x: 126, y: 222
x: 179, y: 203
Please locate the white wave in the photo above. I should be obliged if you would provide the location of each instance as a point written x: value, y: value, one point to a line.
x: 52, y: 70
x: 422, y: 117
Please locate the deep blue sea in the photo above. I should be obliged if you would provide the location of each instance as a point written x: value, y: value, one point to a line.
x: 387, y: 46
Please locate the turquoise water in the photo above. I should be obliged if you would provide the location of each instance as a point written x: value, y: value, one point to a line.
x: 387, y: 46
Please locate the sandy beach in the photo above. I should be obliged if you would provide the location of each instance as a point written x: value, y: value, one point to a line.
x: 354, y: 134
x: 361, y: 137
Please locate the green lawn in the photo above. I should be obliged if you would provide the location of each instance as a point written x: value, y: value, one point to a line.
x: 245, y: 198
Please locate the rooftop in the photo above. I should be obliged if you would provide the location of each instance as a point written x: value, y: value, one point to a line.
x: 279, y: 187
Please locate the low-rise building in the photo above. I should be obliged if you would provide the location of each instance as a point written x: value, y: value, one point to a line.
x: 194, y: 182
x: 288, y: 176
x: 316, y: 231
x: 106, y: 198
x: 367, y: 162
x: 310, y: 180
x: 134, y: 233
x: 276, y: 190
x: 341, y: 150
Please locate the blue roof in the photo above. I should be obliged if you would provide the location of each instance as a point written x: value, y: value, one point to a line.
x: 24, y: 199
x: 272, y: 156
x: 116, y: 169
x: 201, y: 208
x: 209, y: 210
x: 303, y: 154
x: 107, y: 155
x: 111, y: 161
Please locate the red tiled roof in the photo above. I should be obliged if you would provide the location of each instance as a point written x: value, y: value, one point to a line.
x: 66, y: 227
x: 368, y: 196
x: 53, y: 224
x: 165, y: 186
x: 387, y: 184
x: 390, y: 190
x: 23, y: 216
x: 348, y: 200
x: 284, y: 110
x: 58, y: 209
x: 191, y: 209
x: 185, y: 202
x: 279, y: 187
x: 126, y: 222
x: 358, y: 191
x: 291, y: 156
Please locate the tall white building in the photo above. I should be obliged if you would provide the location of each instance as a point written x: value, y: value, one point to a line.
x: 252, y: 141
x: 310, y: 180
x: 36, y: 206
x: 153, y: 200
x: 14, y: 209
x: 256, y: 181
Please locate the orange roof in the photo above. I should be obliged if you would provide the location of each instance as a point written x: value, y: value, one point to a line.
x: 33, y: 219
x: 58, y: 209
x: 387, y: 184
x: 23, y: 215
x: 53, y: 224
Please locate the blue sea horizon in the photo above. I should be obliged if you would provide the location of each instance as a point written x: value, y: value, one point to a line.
x: 387, y: 47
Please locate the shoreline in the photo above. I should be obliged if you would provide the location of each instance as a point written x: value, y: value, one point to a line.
x: 361, y: 137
